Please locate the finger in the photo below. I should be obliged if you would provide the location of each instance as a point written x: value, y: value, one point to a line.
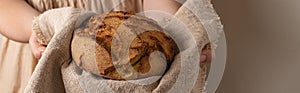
x: 36, y: 48
x: 203, y: 58
x: 207, y: 54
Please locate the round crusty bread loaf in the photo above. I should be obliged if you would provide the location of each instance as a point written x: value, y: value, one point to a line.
x: 119, y: 45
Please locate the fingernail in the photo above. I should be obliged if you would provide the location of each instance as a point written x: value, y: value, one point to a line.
x: 202, y: 58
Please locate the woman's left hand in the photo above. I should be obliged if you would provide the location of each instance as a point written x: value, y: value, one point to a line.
x: 206, y: 55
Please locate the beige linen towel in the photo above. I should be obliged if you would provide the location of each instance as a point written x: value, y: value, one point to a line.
x: 56, y: 71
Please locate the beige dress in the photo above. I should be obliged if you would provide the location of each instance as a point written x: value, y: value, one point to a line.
x: 16, y: 65
x: 16, y: 60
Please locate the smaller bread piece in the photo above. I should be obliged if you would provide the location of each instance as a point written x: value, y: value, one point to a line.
x: 120, y: 45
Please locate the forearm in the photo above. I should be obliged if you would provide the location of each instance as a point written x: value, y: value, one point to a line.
x: 16, y: 19
x: 164, y: 6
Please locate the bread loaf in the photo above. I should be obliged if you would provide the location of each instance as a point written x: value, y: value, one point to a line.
x: 104, y: 43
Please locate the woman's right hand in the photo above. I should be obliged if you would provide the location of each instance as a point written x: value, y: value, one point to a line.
x: 36, y: 48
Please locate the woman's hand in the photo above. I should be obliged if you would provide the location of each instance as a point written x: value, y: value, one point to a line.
x: 36, y: 48
x: 206, y: 55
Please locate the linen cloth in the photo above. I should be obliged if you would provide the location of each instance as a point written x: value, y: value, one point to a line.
x: 56, y: 71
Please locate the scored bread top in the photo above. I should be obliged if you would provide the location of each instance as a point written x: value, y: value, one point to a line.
x: 119, y: 36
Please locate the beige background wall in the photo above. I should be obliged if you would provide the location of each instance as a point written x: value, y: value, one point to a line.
x: 263, y: 41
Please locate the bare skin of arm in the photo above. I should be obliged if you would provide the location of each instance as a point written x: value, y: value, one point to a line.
x: 16, y: 23
x: 16, y: 18
x: 171, y: 7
